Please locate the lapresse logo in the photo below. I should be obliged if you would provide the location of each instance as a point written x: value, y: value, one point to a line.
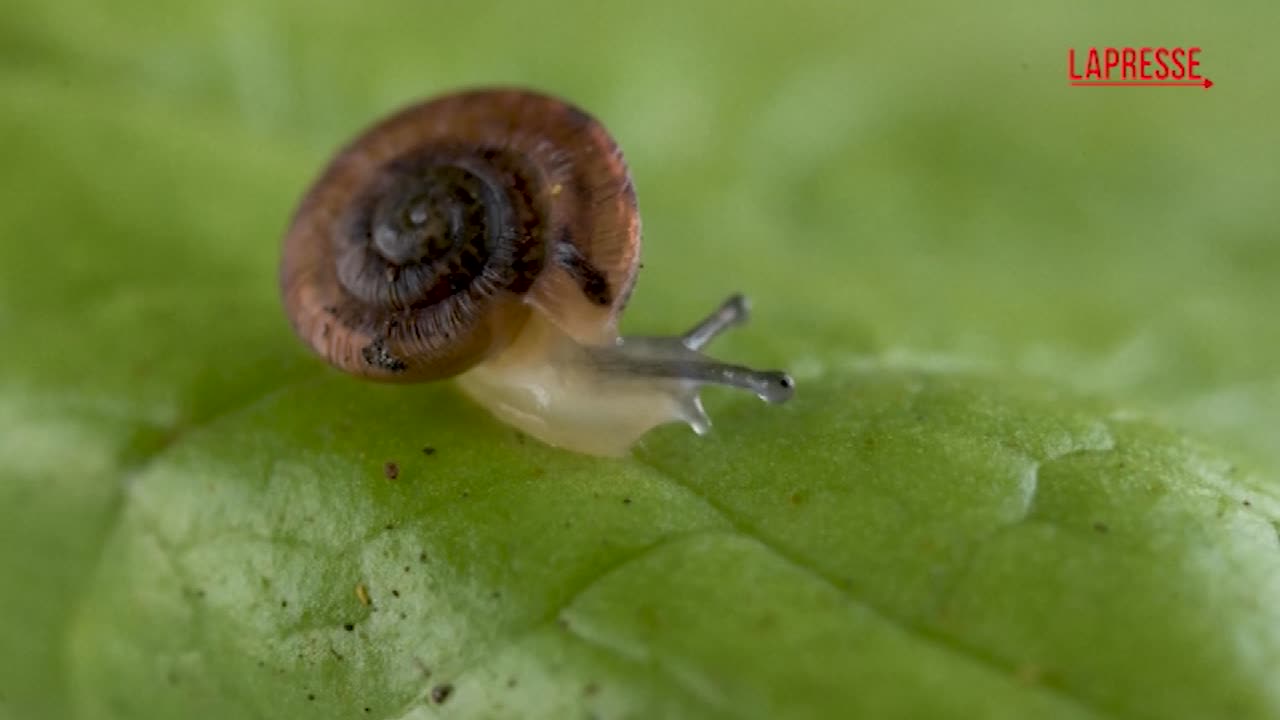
x: 1136, y: 67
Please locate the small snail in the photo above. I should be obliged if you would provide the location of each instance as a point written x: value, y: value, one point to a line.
x: 493, y: 235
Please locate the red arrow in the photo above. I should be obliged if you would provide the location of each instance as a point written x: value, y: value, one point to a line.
x: 1206, y: 83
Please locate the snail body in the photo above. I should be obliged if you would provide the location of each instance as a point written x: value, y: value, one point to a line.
x: 493, y: 236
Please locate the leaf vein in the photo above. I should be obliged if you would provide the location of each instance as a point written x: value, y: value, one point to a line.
x: 974, y: 655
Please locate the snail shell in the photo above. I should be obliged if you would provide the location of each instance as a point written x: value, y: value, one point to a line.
x: 427, y: 243
x: 493, y: 235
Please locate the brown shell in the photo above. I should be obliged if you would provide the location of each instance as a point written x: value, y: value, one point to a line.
x: 425, y: 244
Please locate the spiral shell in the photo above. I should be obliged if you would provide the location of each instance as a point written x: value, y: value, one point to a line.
x: 427, y: 242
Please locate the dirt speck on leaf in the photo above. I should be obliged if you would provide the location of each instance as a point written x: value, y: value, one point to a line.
x: 1101, y: 527
x: 391, y: 470
x: 441, y: 692
x: 428, y: 450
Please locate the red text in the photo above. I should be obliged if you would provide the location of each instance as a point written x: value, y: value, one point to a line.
x: 1146, y: 63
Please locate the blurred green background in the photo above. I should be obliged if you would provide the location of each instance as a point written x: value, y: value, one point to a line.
x: 912, y: 184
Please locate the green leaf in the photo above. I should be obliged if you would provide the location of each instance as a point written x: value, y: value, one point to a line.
x: 1032, y: 468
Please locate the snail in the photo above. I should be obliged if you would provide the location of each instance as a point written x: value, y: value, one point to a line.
x: 493, y: 236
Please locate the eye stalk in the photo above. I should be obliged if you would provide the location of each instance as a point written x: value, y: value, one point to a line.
x: 679, y: 359
x: 600, y: 399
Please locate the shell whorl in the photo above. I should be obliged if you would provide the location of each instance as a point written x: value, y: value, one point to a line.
x: 426, y: 243
x: 440, y: 222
